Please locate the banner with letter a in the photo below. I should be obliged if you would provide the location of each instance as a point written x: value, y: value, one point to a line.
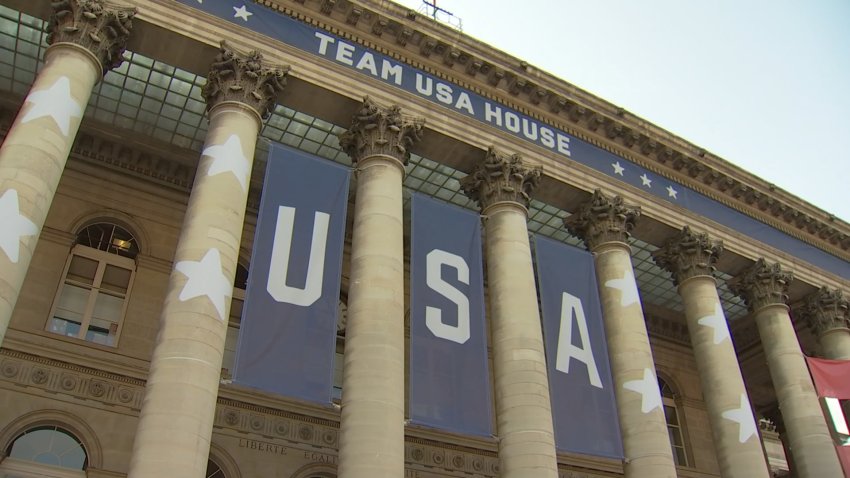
x: 288, y: 332
x: 582, y: 392
x: 832, y: 382
x: 449, y: 379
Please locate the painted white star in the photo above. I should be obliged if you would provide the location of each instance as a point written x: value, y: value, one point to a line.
x: 617, y: 168
x: 672, y: 192
x: 242, y: 12
x: 14, y: 225
x: 645, y: 180
x: 627, y: 287
x: 206, y: 279
x: 743, y: 416
x: 55, y: 102
x: 228, y: 157
x: 647, y: 387
x: 716, y: 321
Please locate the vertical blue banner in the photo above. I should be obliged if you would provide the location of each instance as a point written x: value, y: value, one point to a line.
x: 582, y: 391
x: 449, y: 379
x: 288, y: 332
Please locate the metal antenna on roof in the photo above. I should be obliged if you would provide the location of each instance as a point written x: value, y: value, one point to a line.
x: 430, y: 8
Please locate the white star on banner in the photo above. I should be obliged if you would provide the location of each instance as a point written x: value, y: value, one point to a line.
x: 14, y: 225
x: 645, y: 180
x: 743, y: 416
x: 672, y: 192
x: 617, y: 168
x: 206, y: 279
x: 647, y: 387
x: 716, y: 321
x: 627, y: 287
x: 242, y: 12
x: 55, y: 102
x: 228, y: 157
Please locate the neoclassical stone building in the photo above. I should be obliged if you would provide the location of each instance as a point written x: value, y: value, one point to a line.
x: 135, y: 143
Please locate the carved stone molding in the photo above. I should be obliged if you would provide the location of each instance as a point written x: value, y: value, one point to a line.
x: 499, y: 178
x: 668, y: 329
x: 762, y: 284
x: 378, y: 130
x: 603, y: 219
x: 826, y: 310
x: 99, y: 26
x: 688, y: 254
x: 242, y: 77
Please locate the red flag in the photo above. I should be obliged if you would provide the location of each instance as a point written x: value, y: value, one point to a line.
x: 832, y: 382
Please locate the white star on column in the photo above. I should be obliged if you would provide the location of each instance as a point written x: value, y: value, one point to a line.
x: 647, y: 387
x: 627, y: 287
x: 716, y: 321
x: 242, y: 12
x: 743, y: 416
x: 617, y: 168
x: 645, y: 180
x: 206, y: 279
x: 672, y: 192
x: 55, y: 102
x: 13, y: 225
x: 228, y: 157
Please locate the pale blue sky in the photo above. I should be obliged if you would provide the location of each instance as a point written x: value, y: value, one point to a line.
x: 763, y: 84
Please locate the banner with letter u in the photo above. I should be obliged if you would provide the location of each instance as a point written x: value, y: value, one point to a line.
x: 582, y: 392
x: 288, y: 332
x: 449, y: 379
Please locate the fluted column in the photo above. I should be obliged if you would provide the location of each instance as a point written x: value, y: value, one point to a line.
x: 502, y: 184
x: 87, y: 38
x: 604, y: 223
x: 764, y: 288
x: 372, y: 421
x: 826, y: 312
x: 690, y: 258
x: 176, y: 420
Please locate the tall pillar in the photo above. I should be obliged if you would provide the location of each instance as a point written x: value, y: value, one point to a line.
x: 175, y: 426
x: 502, y: 185
x: 690, y: 258
x: 87, y: 39
x: 826, y: 311
x: 372, y: 421
x: 764, y: 288
x: 604, y: 223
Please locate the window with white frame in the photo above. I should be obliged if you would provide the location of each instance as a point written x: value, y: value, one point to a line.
x: 45, y: 451
x: 674, y: 423
x: 92, y: 298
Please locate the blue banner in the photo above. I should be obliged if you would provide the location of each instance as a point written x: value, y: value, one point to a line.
x: 449, y: 379
x: 288, y: 332
x: 583, y: 405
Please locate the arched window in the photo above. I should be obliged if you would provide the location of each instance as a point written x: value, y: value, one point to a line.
x: 98, y: 276
x: 213, y: 470
x: 674, y: 423
x: 45, y: 451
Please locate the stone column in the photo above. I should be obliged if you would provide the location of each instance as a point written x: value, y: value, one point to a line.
x: 87, y: 39
x: 690, y: 258
x: 176, y: 420
x: 604, y: 223
x: 372, y: 421
x: 826, y: 311
x: 764, y: 287
x: 502, y: 184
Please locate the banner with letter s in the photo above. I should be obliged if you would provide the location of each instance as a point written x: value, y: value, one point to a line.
x: 288, y: 331
x: 449, y: 378
x: 584, y: 409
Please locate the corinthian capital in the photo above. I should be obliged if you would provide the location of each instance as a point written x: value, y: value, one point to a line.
x: 99, y: 26
x: 688, y: 254
x: 762, y: 284
x: 826, y: 310
x: 501, y: 178
x: 381, y: 131
x: 603, y: 219
x: 243, y: 78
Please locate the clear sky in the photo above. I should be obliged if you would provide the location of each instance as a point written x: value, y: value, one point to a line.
x: 762, y: 84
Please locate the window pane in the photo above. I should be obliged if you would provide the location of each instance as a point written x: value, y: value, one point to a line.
x: 116, y: 279
x: 72, y: 303
x: 82, y: 270
x: 50, y: 447
x: 105, y: 317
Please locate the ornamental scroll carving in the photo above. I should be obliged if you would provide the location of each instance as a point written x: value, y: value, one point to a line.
x: 688, y: 254
x: 603, y: 219
x: 501, y: 178
x: 762, y: 284
x: 243, y: 78
x: 101, y: 27
x: 826, y: 310
x: 381, y: 131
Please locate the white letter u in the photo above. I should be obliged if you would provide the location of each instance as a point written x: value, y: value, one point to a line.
x: 279, y: 267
